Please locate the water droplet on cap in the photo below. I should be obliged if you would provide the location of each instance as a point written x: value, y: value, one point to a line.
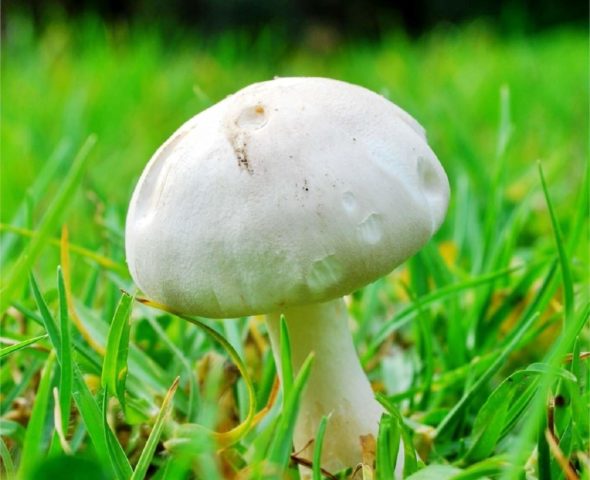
x: 428, y: 176
x: 349, y: 202
x: 252, y: 117
x: 371, y: 229
x: 324, y: 273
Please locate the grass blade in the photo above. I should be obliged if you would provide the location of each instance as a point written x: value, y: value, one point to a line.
x: 114, y: 369
x: 148, y: 377
x: 20, y: 345
x: 51, y: 218
x: 34, y: 442
x: 572, y: 326
x: 234, y: 435
x: 48, y: 321
x: 65, y: 357
x: 282, y: 444
x: 58, y: 421
x: 91, y: 416
x: 553, y: 361
x: 388, y: 441
x: 445, y: 427
x: 10, y: 394
x: 97, y: 258
x: 193, y: 391
x: 150, y: 447
x: 285, y: 353
x: 117, y: 456
x: 317, y: 448
x: 491, y: 420
x: 61, y: 341
x: 105, y: 443
x: 42, y: 181
x: 435, y: 472
x: 234, y: 333
x: 543, y: 454
x: 67, y: 280
x: 566, y: 273
x: 407, y: 313
x: 7, y: 462
x: 490, y: 466
x: 410, y: 462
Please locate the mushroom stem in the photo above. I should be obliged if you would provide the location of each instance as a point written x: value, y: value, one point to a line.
x: 337, y: 384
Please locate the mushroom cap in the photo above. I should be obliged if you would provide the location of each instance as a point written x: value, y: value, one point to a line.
x: 291, y: 191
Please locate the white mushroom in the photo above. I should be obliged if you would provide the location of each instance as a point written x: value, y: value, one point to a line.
x: 281, y: 199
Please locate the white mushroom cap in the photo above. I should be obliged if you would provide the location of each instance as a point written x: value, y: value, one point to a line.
x: 289, y: 192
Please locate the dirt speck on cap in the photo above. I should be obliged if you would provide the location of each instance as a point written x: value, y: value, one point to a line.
x: 242, y: 155
x: 238, y: 139
x: 239, y: 126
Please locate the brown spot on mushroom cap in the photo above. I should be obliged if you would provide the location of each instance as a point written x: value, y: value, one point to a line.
x: 239, y: 143
x: 242, y: 156
x: 240, y: 124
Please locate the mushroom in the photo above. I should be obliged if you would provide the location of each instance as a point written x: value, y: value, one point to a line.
x: 281, y: 199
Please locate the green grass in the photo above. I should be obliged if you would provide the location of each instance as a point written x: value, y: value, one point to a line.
x: 476, y: 347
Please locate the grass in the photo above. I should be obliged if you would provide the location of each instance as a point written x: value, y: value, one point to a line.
x: 477, y: 347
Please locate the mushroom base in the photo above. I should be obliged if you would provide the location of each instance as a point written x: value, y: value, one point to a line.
x: 337, y: 385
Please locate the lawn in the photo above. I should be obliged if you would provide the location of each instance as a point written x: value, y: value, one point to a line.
x: 477, y: 347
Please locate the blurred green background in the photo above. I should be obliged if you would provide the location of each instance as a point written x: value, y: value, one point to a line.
x: 132, y: 72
